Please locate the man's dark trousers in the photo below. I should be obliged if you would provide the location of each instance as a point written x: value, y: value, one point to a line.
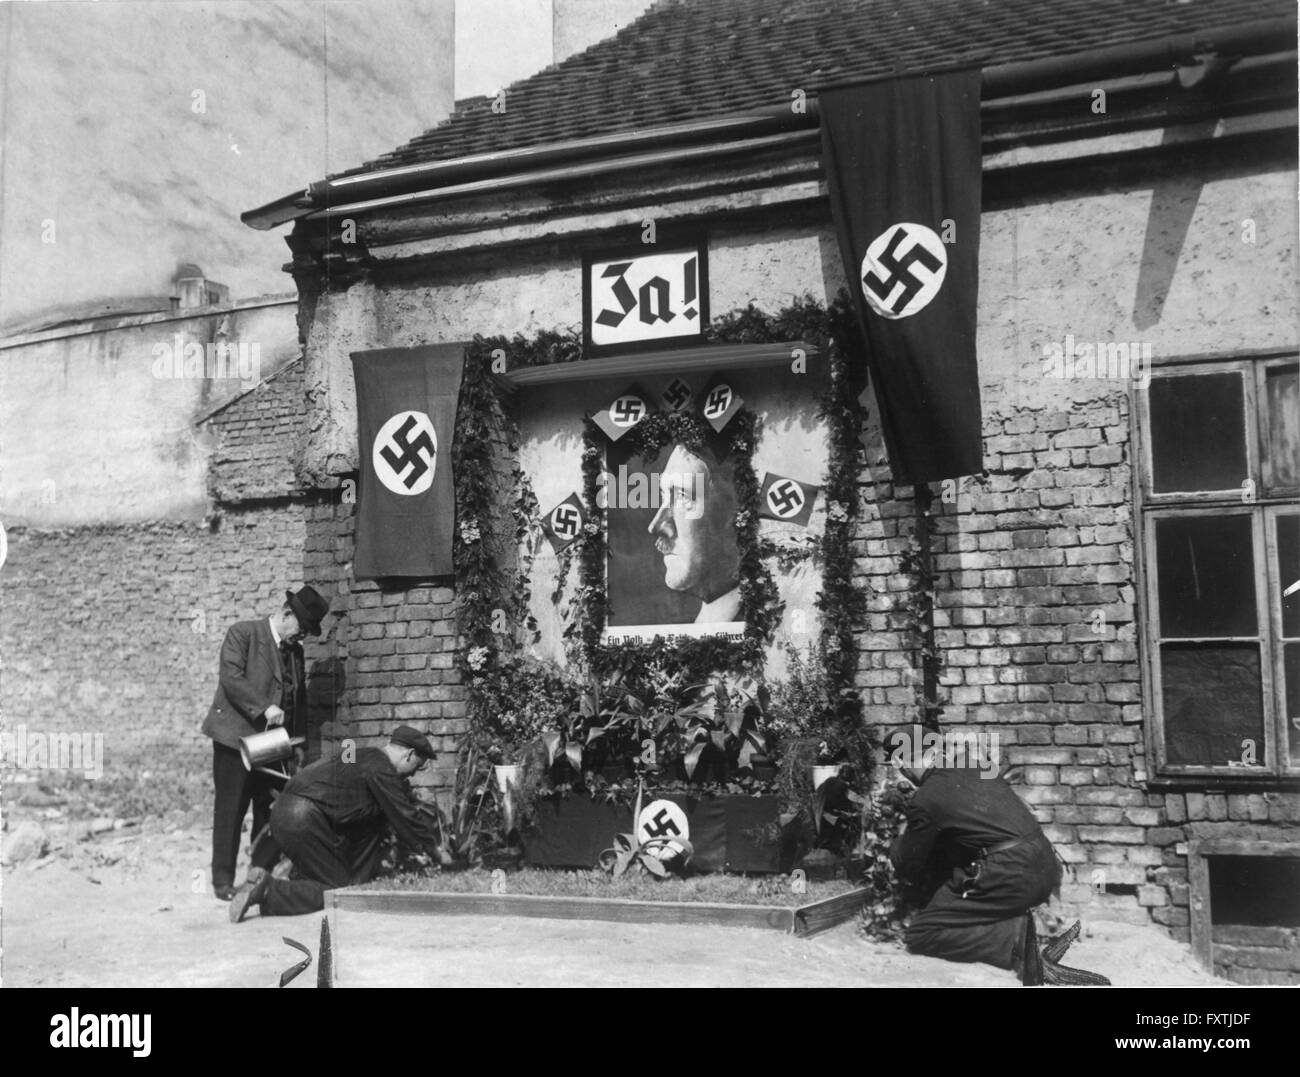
x: 324, y: 857
x: 235, y: 788
x: 987, y: 922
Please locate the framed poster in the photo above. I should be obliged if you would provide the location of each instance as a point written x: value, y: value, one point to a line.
x: 644, y: 298
x: 673, y: 560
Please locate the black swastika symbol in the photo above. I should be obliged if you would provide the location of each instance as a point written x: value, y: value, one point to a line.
x: 661, y: 825
x: 785, y: 498
x: 410, y: 452
x: 627, y: 410
x: 677, y: 393
x: 900, y: 271
x: 718, y: 402
x: 565, y: 521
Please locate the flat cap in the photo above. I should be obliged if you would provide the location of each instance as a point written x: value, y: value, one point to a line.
x: 413, y: 738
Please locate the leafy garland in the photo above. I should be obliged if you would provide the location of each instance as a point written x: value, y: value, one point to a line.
x: 482, y: 587
x: 481, y: 584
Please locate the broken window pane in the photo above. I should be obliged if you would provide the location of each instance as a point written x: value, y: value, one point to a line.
x: 1213, y: 702
x: 1288, y: 572
x: 1281, y: 430
x: 1198, y: 432
x: 1206, y: 571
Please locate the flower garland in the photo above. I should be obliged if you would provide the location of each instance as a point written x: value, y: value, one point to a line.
x: 482, y: 587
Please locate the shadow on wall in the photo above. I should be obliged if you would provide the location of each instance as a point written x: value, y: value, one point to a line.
x: 1173, y: 204
x: 327, y: 711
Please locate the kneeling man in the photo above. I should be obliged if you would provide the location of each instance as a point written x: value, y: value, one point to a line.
x: 969, y: 817
x: 331, y: 818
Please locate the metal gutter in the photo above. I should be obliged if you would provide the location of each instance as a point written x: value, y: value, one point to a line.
x: 376, y: 189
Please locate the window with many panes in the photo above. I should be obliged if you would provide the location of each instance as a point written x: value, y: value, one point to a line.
x: 1219, y: 515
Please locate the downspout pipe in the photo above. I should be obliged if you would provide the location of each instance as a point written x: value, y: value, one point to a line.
x: 1004, y: 80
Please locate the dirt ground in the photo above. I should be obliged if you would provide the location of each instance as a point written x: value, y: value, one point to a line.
x: 120, y: 909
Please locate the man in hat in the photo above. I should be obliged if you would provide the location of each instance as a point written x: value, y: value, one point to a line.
x: 261, y: 683
x: 331, y: 818
x: 966, y: 823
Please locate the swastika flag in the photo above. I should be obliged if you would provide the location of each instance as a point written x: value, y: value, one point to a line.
x: 406, y: 418
x: 787, y: 500
x: 564, y: 523
x: 623, y: 412
x: 903, y: 168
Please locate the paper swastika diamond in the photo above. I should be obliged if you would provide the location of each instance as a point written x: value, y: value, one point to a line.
x: 565, y: 520
x: 627, y: 411
x: 718, y: 402
x: 677, y: 393
x: 405, y: 453
x: 662, y: 819
x: 785, y: 498
x: 903, y: 270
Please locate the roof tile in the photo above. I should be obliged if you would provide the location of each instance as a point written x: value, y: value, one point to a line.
x: 690, y: 59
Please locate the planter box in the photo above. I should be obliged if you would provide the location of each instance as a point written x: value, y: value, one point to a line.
x: 735, y: 834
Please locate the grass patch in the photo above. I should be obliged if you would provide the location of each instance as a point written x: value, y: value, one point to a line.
x: 543, y: 882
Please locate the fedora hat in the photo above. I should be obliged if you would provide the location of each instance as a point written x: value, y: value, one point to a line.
x: 309, y: 607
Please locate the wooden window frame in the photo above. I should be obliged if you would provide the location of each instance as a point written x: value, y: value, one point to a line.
x: 1263, y: 510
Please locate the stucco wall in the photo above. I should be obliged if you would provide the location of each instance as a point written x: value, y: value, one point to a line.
x: 136, y: 133
x: 99, y: 429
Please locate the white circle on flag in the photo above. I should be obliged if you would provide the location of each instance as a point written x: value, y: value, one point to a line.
x: 785, y: 498
x: 903, y: 269
x: 662, y: 821
x: 405, y: 453
x: 719, y: 400
x: 627, y: 411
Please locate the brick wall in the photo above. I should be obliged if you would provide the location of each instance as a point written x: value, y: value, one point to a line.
x: 1257, y: 955
x: 391, y: 651
x: 1038, y: 638
x: 256, y: 439
x: 117, y: 629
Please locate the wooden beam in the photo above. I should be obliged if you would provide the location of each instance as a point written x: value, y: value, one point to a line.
x: 564, y: 908
x: 696, y: 361
x: 827, y: 913
x: 1198, y: 902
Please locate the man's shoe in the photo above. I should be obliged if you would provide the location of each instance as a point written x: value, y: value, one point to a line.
x: 224, y: 891
x: 251, y: 893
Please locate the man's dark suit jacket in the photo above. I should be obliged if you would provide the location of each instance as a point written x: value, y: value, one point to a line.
x: 250, y: 681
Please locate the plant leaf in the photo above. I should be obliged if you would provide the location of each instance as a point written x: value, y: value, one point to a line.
x: 573, y: 752
x: 653, y: 865
x: 692, y: 759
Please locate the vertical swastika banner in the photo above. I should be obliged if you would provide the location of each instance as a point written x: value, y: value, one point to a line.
x: 406, y: 418
x: 903, y: 168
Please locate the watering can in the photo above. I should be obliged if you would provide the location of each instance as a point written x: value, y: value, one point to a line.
x: 262, y: 749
